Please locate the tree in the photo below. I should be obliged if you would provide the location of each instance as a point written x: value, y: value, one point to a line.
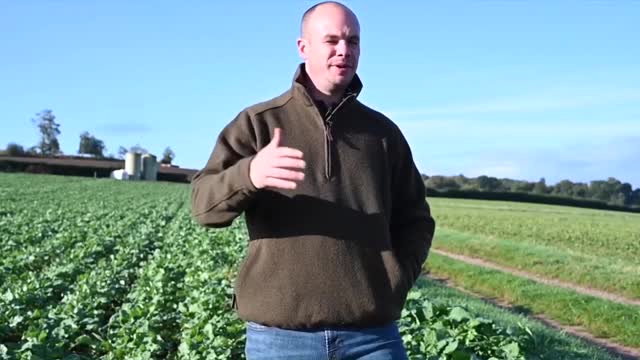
x: 138, y: 149
x: 89, y: 144
x: 635, y: 197
x: 617, y: 199
x: 563, y: 188
x: 49, y: 131
x: 14, y: 149
x: 461, y: 180
x: 442, y: 183
x: 580, y: 190
x: 627, y: 191
x: 168, y: 156
x: 488, y: 183
x: 604, y: 190
x: 522, y: 186
x: 122, y: 152
x: 540, y: 187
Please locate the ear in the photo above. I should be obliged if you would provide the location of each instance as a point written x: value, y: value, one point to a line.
x: 302, y: 48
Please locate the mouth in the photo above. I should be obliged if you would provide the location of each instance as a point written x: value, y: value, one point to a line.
x: 342, y: 66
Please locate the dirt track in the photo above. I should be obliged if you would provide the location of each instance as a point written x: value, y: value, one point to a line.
x: 626, y: 353
x: 579, y: 289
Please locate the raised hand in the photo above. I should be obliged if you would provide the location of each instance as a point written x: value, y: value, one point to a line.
x: 277, y: 166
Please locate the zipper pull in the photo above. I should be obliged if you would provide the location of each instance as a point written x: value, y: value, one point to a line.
x: 327, y: 131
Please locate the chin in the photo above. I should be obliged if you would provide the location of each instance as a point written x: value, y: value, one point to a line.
x: 343, y: 81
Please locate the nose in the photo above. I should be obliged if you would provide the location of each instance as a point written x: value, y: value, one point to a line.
x: 343, y: 49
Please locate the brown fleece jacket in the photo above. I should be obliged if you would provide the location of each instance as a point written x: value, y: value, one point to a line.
x: 346, y: 246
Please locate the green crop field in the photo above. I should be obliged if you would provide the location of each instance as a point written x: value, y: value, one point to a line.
x: 102, y: 269
x: 594, y: 249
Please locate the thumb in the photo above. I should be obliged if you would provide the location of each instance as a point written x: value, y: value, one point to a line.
x: 275, y: 142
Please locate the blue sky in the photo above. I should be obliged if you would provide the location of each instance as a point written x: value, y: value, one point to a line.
x: 501, y: 88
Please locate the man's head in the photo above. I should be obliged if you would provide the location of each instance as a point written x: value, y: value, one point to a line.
x: 329, y: 43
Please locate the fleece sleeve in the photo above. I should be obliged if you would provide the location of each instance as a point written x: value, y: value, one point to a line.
x: 412, y: 225
x: 222, y: 190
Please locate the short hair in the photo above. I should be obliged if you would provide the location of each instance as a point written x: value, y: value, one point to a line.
x: 307, y: 14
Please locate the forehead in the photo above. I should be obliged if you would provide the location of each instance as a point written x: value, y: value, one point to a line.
x: 334, y: 21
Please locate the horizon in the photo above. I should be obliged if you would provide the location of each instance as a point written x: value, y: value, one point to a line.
x: 520, y: 91
x: 158, y: 158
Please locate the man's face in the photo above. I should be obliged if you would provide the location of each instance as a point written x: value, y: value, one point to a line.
x: 331, y: 48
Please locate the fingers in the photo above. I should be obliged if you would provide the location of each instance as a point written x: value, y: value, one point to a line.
x: 279, y: 183
x: 290, y: 152
x: 285, y: 162
x: 285, y: 174
x: 277, y: 166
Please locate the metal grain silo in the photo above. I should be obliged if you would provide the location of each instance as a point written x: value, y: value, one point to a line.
x: 132, y: 165
x: 149, y: 167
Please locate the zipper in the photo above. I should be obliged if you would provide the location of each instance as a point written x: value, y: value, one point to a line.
x: 328, y: 137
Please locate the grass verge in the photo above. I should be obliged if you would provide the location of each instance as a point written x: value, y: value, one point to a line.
x: 602, y: 318
x: 612, y: 275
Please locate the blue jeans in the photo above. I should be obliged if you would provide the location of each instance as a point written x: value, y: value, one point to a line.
x: 378, y: 343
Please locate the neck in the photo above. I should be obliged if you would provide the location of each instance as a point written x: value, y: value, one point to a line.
x: 327, y: 97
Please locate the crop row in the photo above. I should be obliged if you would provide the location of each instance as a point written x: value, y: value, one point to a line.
x: 49, y: 312
x: 121, y: 270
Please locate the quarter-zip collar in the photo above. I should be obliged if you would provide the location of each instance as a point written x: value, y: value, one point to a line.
x: 300, y: 90
x: 299, y: 86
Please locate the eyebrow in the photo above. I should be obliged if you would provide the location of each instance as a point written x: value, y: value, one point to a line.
x: 334, y: 37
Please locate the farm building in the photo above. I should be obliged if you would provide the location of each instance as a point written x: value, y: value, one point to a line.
x: 92, y: 167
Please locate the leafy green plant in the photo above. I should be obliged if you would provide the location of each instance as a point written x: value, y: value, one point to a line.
x: 437, y: 331
x: 112, y: 270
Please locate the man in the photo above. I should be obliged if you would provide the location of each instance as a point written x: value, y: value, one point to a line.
x: 335, y: 208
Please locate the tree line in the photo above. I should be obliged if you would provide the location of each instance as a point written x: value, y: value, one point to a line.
x: 48, y: 144
x: 611, y: 191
